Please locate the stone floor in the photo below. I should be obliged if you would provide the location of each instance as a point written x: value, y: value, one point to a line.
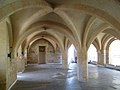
x: 53, y: 77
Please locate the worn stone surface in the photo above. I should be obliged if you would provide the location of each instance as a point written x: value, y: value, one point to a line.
x: 53, y: 77
x: 78, y: 22
x: 51, y: 55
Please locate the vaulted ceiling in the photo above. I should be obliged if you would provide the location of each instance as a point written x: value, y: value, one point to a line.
x: 61, y: 22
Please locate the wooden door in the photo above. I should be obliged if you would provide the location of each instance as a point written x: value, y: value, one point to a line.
x: 41, y: 55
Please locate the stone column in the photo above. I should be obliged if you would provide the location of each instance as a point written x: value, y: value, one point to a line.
x: 20, y: 63
x: 82, y: 65
x: 65, y: 59
x: 101, y: 57
x: 107, y: 56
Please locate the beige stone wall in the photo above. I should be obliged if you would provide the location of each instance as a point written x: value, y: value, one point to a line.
x: 7, y: 65
x: 79, y: 21
x: 11, y: 73
x: 20, y: 60
x: 52, y: 56
x: 3, y: 53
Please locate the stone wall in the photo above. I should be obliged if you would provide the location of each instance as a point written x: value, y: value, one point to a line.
x: 3, y: 54
x: 52, y: 55
x: 11, y: 72
x: 20, y: 60
x: 7, y: 64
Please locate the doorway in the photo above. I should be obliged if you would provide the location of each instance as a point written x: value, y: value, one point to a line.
x: 114, y: 53
x: 42, y: 55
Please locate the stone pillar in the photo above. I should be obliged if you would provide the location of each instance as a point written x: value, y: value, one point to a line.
x: 82, y: 65
x: 107, y: 56
x: 20, y: 64
x: 65, y: 59
x: 101, y: 57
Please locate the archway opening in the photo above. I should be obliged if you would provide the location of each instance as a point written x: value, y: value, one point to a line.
x: 92, y: 54
x: 43, y: 52
x: 72, y: 56
x: 114, y: 53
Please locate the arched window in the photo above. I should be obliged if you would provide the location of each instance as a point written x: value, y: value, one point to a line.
x: 92, y: 54
x: 114, y: 52
x: 71, y: 54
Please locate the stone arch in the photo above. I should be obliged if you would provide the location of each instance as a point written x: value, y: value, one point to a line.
x: 115, y: 33
x: 108, y: 48
x: 17, y: 5
x: 49, y: 38
x: 68, y: 21
x: 92, y: 11
x: 105, y: 40
x: 110, y: 37
x: 34, y: 19
x: 21, y: 4
x: 97, y: 31
x: 96, y: 44
x: 36, y: 28
x: 38, y: 38
x: 109, y: 42
x: 8, y: 23
x: 87, y: 28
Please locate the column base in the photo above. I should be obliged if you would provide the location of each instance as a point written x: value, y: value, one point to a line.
x: 65, y: 67
x: 81, y: 77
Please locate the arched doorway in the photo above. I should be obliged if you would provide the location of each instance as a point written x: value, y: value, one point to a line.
x: 72, y: 56
x: 92, y: 54
x: 114, y: 53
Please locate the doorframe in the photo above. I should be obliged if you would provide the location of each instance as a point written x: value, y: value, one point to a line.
x: 45, y: 51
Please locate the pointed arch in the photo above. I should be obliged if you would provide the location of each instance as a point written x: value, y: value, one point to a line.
x: 17, y: 5
x: 87, y: 28
x: 68, y: 21
x: 37, y: 27
x: 99, y: 29
x: 92, y: 11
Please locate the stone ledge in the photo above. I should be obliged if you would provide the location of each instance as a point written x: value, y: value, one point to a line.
x: 112, y: 67
x: 117, y: 68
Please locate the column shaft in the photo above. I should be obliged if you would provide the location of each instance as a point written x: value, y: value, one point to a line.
x: 102, y: 57
x: 82, y: 65
x: 65, y: 59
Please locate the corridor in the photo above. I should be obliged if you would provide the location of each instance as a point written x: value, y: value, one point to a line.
x: 53, y: 77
